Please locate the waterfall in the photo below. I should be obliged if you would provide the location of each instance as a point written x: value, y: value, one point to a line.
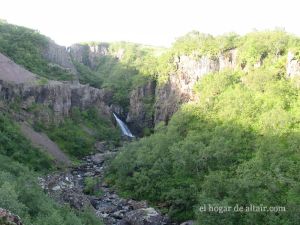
x: 124, y: 128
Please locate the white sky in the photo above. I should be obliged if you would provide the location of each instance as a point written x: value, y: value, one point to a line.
x: 156, y: 22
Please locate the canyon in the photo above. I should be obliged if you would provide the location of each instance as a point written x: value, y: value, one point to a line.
x: 70, y: 101
x: 149, y: 104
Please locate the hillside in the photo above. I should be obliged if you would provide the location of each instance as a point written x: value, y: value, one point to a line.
x: 218, y: 121
x: 234, y: 139
x: 12, y: 72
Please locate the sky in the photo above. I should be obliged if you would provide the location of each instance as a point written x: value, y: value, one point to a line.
x: 153, y: 22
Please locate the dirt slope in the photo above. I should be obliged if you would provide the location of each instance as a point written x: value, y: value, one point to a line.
x: 11, y: 72
x: 41, y: 140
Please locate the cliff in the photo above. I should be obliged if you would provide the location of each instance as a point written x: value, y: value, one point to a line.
x: 179, y: 87
x: 50, y: 100
x: 88, y: 55
x: 53, y: 101
x: 58, y: 56
x: 149, y: 104
x: 140, y: 113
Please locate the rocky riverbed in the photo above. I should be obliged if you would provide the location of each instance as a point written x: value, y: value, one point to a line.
x: 68, y: 187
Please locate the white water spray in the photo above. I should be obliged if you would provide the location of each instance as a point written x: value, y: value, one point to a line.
x: 123, y: 127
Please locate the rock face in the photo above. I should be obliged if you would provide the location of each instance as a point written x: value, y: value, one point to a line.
x: 7, y: 218
x: 140, y: 113
x: 88, y: 55
x: 58, y: 55
x: 179, y: 87
x: 293, y: 66
x: 144, y: 111
x: 55, y: 99
x: 49, y: 101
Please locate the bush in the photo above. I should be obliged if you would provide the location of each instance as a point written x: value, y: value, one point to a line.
x: 19, y: 191
x: 236, y: 148
x: 92, y: 186
x: 25, y: 47
x: 15, y: 146
x: 77, y: 135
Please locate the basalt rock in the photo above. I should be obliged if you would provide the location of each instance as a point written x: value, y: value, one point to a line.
x: 140, y: 113
x: 59, y: 56
x: 179, y: 87
x: 68, y: 188
x: 48, y: 101
x: 55, y: 100
x: 144, y: 216
x: 88, y: 54
x: 189, y: 222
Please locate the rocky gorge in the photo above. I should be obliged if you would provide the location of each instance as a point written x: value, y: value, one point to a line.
x: 149, y: 103
x: 68, y: 188
x: 68, y: 108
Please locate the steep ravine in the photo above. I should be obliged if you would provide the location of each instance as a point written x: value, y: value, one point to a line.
x: 152, y: 103
x: 149, y: 104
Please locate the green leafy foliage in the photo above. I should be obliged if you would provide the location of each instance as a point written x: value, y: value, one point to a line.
x: 256, y: 46
x: 76, y: 135
x: 268, y: 48
x: 25, y: 46
x: 238, y: 144
x: 20, y: 194
x: 88, y: 76
x: 136, y: 66
x: 13, y: 145
x: 125, y: 67
x: 92, y: 186
x: 201, y: 44
x: 19, y: 191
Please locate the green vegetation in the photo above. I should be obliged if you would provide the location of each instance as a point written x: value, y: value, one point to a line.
x: 257, y: 46
x: 253, y: 49
x: 125, y: 67
x: 239, y: 144
x: 199, y: 44
x: 24, y: 46
x: 14, y: 146
x: 77, y: 134
x: 87, y: 75
x: 20, y: 165
x: 135, y: 66
x: 92, y: 186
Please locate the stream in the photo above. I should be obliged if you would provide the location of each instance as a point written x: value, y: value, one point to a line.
x: 68, y: 187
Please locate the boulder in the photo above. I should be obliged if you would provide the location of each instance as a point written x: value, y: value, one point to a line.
x: 100, y: 146
x: 145, y: 216
x: 98, y: 158
x: 7, y: 218
x: 189, y: 222
x: 137, y: 204
x: 76, y: 199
